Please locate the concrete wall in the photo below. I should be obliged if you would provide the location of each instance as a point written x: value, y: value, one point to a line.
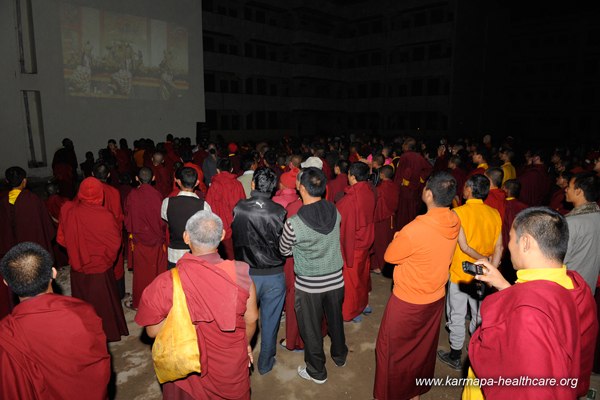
x: 90, y: 122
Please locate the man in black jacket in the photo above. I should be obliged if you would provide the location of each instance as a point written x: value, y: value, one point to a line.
x: 257, y: 226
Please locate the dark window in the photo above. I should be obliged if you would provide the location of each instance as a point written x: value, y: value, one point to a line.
x: 261, y: 120
x: 224, y: 86
x: 234, y: 87
x: 233, y: 49
x: 273, y: 120
x: 224, y: 122
x: 235, y: 122
x: 209, y: 82
x: 433, y: 86
x: 362, y: 91
x: 248, y: 50
x: 248, y: 14
x: 209, y: 43
x: 261, y: 86
x: 363, y: 60
x: 376, y: 58
x: 273, y: 89
x: 261, y: 52
x: 223, y: 48
x: 420, y: 19
x: 375, y: 89
x: 222, y: 10
x: 437, y: 16
x: 211, y: 119
x: 435, y: 51
x: 249, y: 121
x: 249, y: 86
x: 233, y: 13
x: 402, y: 90
x: 416, y: 87
x: 415, y: 120
x: 418, y: 53
x: 260, y: 16
x: 207, y: 5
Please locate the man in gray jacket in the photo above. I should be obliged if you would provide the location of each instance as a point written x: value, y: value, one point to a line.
x: 583, y: 253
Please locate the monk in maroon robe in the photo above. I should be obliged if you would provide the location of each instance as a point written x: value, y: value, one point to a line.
x: 336, y: 186
x: 535, y: 182
x: 357, y: 233
x: 411, y: 173
x: 147, y: 230
x: 92, y: 237
x: 54, y: 203
x: 221, y: 299
x: 23, y: 218
x: 385, y: 216
x: 163, y: 177
x: 288, y: 198
x: 496, y: 196
x: 545, y: 325
x: 557, y: 199
x: 480, y: 158
x: 51, y: 346
x: 223, y: 194
x: 112, y: 202
x: 64, y: 168
x: 454, y: 167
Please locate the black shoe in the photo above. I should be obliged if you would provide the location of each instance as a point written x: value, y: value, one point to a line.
x: 453, y: 363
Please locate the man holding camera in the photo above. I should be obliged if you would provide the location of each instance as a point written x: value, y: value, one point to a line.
x: 480, y: 237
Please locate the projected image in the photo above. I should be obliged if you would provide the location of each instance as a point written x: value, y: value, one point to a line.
x: 111, y: 55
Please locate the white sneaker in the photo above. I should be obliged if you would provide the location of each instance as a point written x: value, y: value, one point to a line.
x: 304, y: 375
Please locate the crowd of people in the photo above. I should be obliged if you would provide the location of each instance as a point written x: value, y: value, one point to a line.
x: 297, y: 227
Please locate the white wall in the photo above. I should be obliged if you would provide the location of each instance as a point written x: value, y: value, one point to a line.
x: 90, y: 122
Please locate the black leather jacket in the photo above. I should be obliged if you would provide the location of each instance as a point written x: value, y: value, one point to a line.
x: 257, y: 226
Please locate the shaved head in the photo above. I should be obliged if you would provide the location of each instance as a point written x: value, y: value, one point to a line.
x: 145, y: 175
x: 27, y: 268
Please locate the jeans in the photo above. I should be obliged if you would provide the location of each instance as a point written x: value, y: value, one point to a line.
x: 270, y: 295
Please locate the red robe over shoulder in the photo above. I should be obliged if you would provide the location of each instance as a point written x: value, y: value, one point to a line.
x: 536, y: 329
x: 216, y: 293
x: 557, y: 202
x: 496, y: 199
x: 336, y: 187
x: 53, y: 347
x: 54, y: 203
x: 112, y: 202
x: 143, y: 222
x: 93, y: 241
x: 385, y: 220
x: 357, y: 232
x: 411, y: 173
x: 27, y: 220
x: 535, y: 185
x: 223, y: 194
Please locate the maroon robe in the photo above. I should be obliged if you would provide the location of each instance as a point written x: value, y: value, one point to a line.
x: 385, y: 218
x: 336, y: 187
x: 411, y: 173
x: 557, y: 202
x: 27, y: 220
x: 326, y: 169
x: 535, y: 185
x: 112, y: 202
x: 93, y: 241
x: 216, y: 293
x: 162, y: 179
x: 53, y: 347
x: 357, y: 233
x: 536, y: 329
x: 289, y: 199
x: 54, y: 203
x: 496, y: 199
x: 124, y: 159
x: 223, y: 194
x: 147, y: 228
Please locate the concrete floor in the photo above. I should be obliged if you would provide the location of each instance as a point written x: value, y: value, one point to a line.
x: 135, y: 379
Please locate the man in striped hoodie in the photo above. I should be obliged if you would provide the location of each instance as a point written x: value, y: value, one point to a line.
x: 313, y: 237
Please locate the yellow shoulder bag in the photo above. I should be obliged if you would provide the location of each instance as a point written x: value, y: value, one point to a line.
x: 175, y: 351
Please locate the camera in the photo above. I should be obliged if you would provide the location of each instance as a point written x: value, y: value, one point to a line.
x: 472, y: 269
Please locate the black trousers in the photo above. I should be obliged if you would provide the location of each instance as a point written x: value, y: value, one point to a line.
x: 310, y: 308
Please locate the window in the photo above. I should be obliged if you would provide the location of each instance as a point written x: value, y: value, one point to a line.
x: 208, y: 43
x: 437, y: 16
x: 420, y: 19
x: 261, y: 52
x: 249, y: 86
x: 376, y: 58
x: 233, y: 13
x: 233, y: 49
x: 249, y: 121
x: 261, y: 86
x: 273, y: 89
x: 27, y: 57
x: 235, y: 122
x: 209, y: 82
x: 248, y: 50
x: 435, y: 51
x: 416, y: 87
x: 32, y: 107
x: 261, y: 120
x: 222, y: 48
x: 260, y: 16
x: 433, y: 86
x: 234, y: 86
x: 224, y: 86
x: 224, y: 122
x: 248, y: 14
x: 418, y: 53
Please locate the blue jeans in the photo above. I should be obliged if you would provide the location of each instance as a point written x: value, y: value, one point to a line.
x: 270, y: 294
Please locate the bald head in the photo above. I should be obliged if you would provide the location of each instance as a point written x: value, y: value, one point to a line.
x: 145, y: 175
x: 27, y: 268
